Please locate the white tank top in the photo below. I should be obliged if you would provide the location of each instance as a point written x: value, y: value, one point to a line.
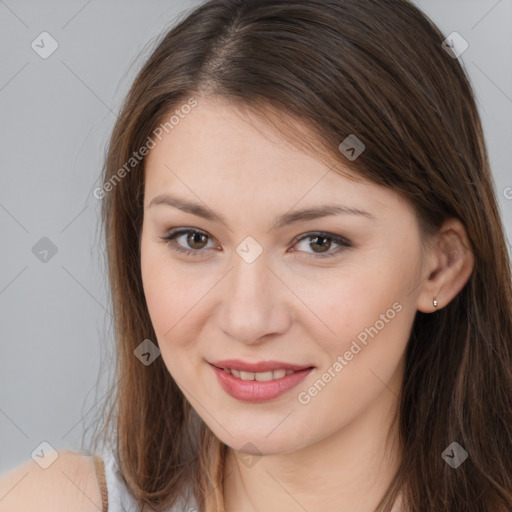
x: 116, y: 495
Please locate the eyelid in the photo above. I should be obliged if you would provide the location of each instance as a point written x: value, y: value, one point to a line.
x: 174, y: 233
x: 341, y: 241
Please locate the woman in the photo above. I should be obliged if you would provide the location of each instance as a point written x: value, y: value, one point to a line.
x: 309, y: 274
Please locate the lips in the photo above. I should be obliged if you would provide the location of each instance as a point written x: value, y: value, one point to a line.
x: 258, y: 387
x: 263, y: 366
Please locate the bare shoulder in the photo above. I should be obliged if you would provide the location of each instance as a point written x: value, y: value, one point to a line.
x: 69, y: 483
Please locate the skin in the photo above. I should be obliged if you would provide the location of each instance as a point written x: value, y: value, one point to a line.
x: 290, y: 304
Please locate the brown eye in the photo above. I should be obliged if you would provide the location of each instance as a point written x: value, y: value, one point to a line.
x: 196, y: 240
x: 192, y: 244
x: 321, y: 244
x: 321, y: 241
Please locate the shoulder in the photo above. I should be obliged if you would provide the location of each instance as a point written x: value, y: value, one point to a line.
x: 69, y: 483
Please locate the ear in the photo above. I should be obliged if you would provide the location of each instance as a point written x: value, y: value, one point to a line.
x: 448, y: 266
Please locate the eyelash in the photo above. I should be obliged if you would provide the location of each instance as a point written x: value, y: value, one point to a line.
x: 175, y: 233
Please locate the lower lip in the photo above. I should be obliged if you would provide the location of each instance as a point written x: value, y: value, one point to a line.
x: 255, y: 391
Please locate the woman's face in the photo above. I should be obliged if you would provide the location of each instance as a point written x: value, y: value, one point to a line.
x: 252, y: 289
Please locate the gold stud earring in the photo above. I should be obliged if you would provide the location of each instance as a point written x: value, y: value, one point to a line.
x: 435, y: 303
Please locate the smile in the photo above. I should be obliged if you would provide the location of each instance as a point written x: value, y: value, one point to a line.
x: 258, y: 386
x: 259, y: 376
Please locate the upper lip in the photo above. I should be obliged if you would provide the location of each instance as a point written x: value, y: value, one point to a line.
x: 262, y: 366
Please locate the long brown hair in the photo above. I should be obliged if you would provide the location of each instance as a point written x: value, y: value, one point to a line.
x: 376, y: 69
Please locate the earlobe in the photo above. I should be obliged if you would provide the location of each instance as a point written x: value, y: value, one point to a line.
x: 448, y: 268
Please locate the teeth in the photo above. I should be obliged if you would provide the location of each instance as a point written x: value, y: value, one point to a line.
x: 264, y: 376
x: 259, y: 376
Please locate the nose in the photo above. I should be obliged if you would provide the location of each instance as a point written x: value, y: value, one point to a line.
x: 255, y: 304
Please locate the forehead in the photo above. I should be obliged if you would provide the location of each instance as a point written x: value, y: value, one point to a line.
x: 217, y: 150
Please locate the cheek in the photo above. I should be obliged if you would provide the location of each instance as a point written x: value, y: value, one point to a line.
x: 163, y: 291
x: 369, y: 325
x: 341, y: 303
x: 173, y: 295
x: 170, y: 299
x: 368, y: 303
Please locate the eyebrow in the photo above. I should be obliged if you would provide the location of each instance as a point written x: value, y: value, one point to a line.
x: 281, y: 221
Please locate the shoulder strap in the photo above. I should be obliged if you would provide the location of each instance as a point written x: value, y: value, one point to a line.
x: 100, y: 474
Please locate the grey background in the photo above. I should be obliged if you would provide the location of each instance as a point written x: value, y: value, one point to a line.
x: 56, y: 115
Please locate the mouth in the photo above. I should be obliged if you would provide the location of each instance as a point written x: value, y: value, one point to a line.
x: 259, y: 376
x: 274, y: 380
x: 262, y: 371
